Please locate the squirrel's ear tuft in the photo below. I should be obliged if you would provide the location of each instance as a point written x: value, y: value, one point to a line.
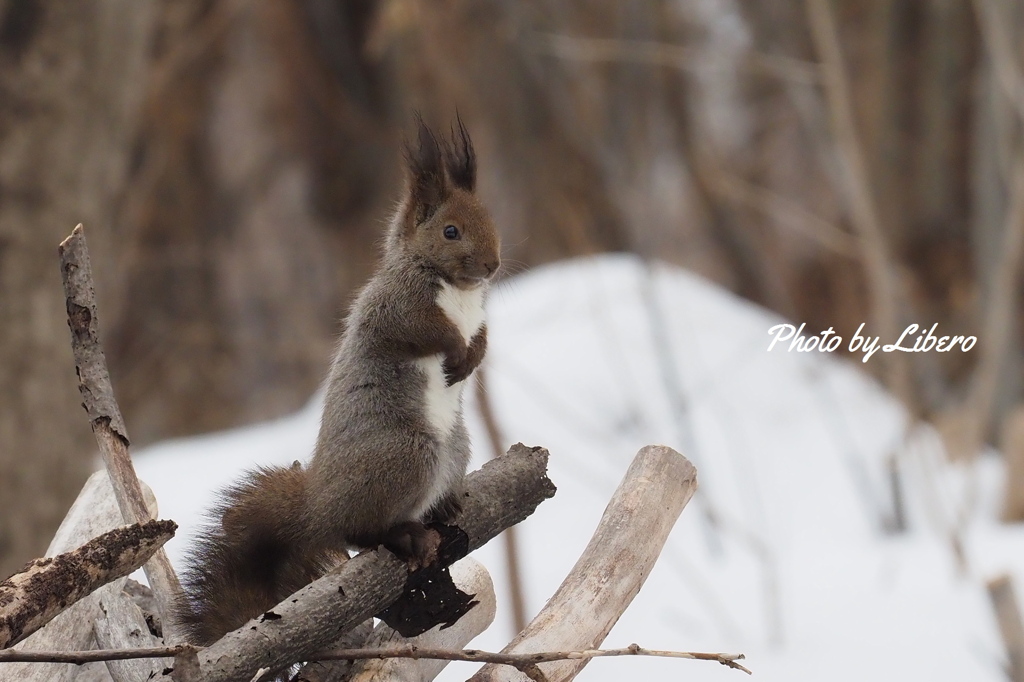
x: 460, y: 158
x: 428, y: 186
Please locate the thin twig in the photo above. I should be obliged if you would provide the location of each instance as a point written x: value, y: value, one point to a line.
x: 469, y: 655
x: 997, y: 320
x: 1001, y: 52
x: 884, y: 290
x: 1011, y: 628
x: 200, y: 41
x: 476, y: 656
x: 667, y: 54
x: 105, y: 415
x: 90, y: 656
x: 878, y: 266
x: 788, y: 213
x: 675, y: 393
x: 515, y: 574
x: 967, y: 430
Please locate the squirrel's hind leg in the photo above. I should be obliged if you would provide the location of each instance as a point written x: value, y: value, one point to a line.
x: 410, y: 541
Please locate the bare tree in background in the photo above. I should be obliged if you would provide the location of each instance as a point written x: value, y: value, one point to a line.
x: 70, y: 85
x: 236, y: 159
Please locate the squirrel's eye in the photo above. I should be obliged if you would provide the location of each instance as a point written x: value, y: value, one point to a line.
x: 451, y: 232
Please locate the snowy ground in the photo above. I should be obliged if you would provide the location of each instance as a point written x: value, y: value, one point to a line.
x: 795, y: 569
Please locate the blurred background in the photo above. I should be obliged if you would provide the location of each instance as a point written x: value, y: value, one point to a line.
x: 836, y: 161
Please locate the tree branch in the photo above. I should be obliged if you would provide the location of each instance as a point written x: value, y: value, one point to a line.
x: 517, y: 600
x: 500, y: 494
x: 413, y: 652
x: 30, y: 599
x: 997, y: 320
x: 471, y: 577
x: 1011, y: 628
x: 788, y: 214
x: 104, y: 414
x: 94, y: 512
x: 883, y: 286
x: 682, y: 57
x: 631, y: 533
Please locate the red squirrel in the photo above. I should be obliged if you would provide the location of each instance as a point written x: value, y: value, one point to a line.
x: 393, y: 448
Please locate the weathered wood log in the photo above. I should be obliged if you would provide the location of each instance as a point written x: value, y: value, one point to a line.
x: 104, y: 414
x: 30, y: 599
x: 502, y: 493
x: 93, y: 513
x: 122, y: 625
x: 1011, y: 628
x: 612, y: 569
x: 93, y: 672
x: 337, y: 671
x: 471, y: 577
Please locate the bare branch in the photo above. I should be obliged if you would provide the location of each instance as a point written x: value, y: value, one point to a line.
x: 1001, y: 52
x: 884, y: 291
x: 590, y: 600
x: 1011, y: 628
x: 342, y: 671
x: 970, y: 428
x: 413, y: 652
x: 30, y: 599
x: 93, y: 513
x: 494, y: 436
x: 666, y: 54
x: 500, y: 494
x: 104, y: 414
x: 788, y: 213
x: 91, y: 655
x: 520, y: 660
x: 471, y: 577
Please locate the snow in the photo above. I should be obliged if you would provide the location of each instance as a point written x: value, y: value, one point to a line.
x: 783, y: 555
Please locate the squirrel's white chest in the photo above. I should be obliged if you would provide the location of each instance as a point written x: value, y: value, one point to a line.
x: 442, y: 403
x: 465, y: 309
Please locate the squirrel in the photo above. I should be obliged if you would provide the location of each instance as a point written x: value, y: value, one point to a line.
x: 392, y: 450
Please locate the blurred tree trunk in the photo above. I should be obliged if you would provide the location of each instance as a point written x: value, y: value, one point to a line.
x: 70, y: 81
x: 265, y: 169
x: 1011, y: 442
x: 262, y: 172
x: 997, y: 136
x: 914, y: 66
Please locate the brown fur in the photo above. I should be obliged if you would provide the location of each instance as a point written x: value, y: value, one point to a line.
x: 380, y: 469
x: 248, y: 561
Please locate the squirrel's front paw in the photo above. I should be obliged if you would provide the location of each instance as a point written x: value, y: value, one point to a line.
x: 458, y: 368
x: 457, y: 371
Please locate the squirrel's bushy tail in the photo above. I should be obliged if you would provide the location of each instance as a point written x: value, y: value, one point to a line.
x: 253, y: 556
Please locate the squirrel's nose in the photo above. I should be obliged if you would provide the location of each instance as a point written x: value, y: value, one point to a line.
x: 492, y: 266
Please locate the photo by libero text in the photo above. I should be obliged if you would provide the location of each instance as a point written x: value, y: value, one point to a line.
x: 912, y: 340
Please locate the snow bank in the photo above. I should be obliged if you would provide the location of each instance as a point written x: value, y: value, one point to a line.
x: 782, y: 555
